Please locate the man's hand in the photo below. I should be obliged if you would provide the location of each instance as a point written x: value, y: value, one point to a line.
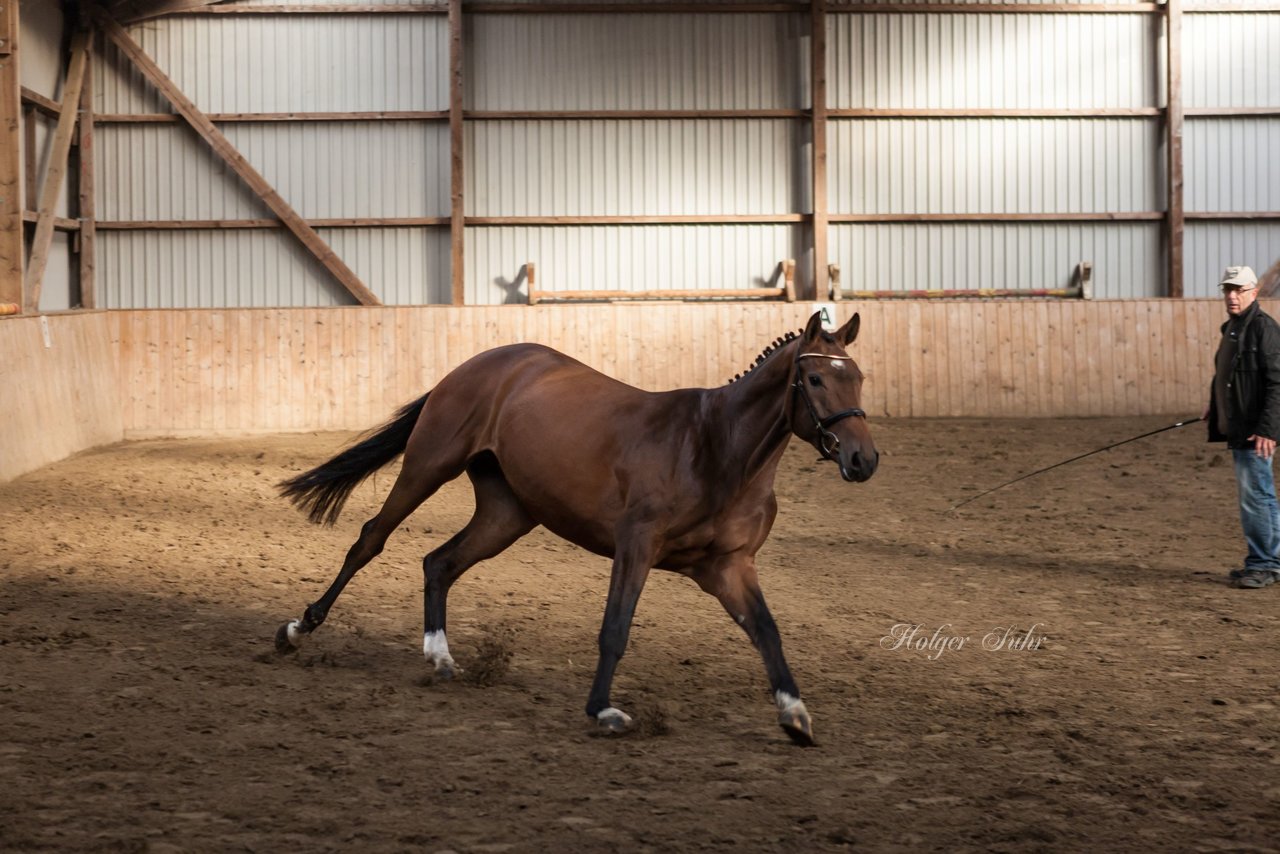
x: 1263, y: 447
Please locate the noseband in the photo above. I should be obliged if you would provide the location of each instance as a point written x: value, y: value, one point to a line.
x: 828, y: 442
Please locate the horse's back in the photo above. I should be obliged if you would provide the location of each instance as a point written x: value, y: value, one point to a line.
x: 573, y: 444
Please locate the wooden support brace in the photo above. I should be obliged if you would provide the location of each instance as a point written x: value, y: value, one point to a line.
x: 1082, y: 280
x: 789, y: 280
x: 221, y: 146
x: 833, y: 274
x: 57, y: 171
x: 531, y: 282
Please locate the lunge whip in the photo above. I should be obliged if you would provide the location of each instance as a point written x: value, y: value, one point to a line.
x: 1073, y: 459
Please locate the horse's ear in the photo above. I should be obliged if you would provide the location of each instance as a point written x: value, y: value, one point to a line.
x: 849, y: 331
x: 813, y: 328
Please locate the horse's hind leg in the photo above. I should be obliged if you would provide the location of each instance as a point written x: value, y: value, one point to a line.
x: 412, y: 487
x: 633, y: 557
x: 734, y: 582
x: 499, y: 520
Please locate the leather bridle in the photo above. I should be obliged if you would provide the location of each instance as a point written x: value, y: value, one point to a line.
x: 828, y: 442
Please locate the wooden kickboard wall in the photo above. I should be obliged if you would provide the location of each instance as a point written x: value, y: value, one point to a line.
x: 61, y: 389
x: 235, y: 371
x: 138, y: 374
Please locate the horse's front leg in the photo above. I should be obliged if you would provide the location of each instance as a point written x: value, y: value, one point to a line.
x: 734, y: 582
x: 631, y: 564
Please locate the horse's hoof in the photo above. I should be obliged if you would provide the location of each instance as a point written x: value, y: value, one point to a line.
x: 793, y: 717
x: 446, y: 672
x: 288, y: 637
x: 613, y: 721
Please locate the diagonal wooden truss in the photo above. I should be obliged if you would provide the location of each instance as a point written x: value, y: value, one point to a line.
x: 222, y: 147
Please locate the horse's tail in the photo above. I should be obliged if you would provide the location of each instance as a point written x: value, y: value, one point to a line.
x: 323, y: 490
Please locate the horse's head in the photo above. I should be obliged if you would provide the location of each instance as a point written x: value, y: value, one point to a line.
x: 826, y: 400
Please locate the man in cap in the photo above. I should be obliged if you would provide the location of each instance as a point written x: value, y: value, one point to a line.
x: 1244, y: 412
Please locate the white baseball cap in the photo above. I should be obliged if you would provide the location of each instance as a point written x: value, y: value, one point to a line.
x: 1240, y: 277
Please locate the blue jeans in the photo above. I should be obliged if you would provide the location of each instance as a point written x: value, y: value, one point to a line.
x: 1259, y: 513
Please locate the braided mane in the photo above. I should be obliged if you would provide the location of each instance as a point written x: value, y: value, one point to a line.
x: 766, y: 353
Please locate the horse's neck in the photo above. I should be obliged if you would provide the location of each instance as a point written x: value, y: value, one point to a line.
x: 755, y: 411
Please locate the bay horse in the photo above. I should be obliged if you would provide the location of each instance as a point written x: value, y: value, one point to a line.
x: 679, y: 480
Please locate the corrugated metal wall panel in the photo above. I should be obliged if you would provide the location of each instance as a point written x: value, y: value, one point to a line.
x: 993, y: 165
x: 285, y: 63
x: 1232, y: 164
x: 1005, y: 61
x: 636, y: 61
x: 322, y: 169
x: 267, y: 267
x: 1126, y: 257
x: 582, y: 168
x: 1212, y: 246
x: 155, y: 172
x: 635, y: 257
x: 1231, y: 60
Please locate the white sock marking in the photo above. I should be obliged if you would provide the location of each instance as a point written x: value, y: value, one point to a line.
x: 436, y: 648
x: 611, y: 714
x: 785, y: 701
x: 294, y: 632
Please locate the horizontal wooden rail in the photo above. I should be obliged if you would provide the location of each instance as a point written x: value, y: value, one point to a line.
x: 994, y: 8
x: 1232, y: 215
x: 545, y: 115
x: 365, y: 116
x: 1228, y: 112
x: 42, y: 104
x: 1081, y: 288
x: 674, y: 219
x: 538, y: 297
x: 680, y: 115
x: 1121, y: 216
x: 60, y: 223
x: 727, y: 8
x: 203, y: 224
x: 993, y: 113
x: 498, y: 9
x: 785, y: 271
x: 641, y: 219
x: 470, y: 115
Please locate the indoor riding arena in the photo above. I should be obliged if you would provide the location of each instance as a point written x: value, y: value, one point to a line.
x: 596, y: 326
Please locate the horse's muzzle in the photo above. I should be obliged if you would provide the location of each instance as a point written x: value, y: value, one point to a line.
x: 859, y: 466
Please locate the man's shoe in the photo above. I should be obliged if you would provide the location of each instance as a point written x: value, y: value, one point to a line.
x: 1235, y: 573
x: 1254, y: 578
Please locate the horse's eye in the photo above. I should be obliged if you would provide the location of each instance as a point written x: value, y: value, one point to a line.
x: 815, y: 380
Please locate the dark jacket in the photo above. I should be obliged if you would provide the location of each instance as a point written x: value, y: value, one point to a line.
x: 1253, y: 392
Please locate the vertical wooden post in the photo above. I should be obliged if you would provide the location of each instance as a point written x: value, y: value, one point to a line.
x: 12, y: 241
x: 30, y: 164
x: 818, y: 94
x: 457, y: 210
x: 531, y: 282
x: 88, y: 205
x: 1173, y: 143
x: 833, y: 270
x: 60, y: 151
